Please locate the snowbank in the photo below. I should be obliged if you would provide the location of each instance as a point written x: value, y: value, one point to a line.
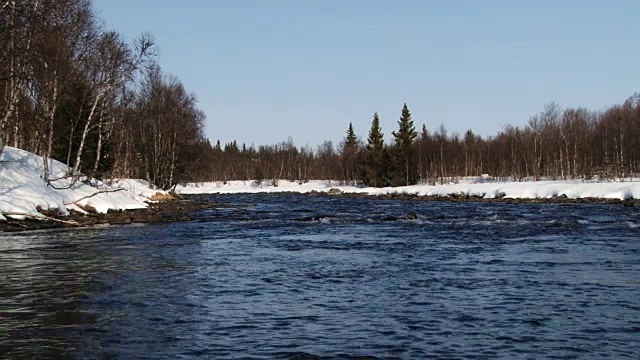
x: 23, y: 190
x: 515, y: 190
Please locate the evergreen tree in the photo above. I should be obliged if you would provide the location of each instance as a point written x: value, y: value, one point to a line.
x: 349, y: 156
x: 373, y: 167
x: 424, y: 133
x: 375, y: 141
x: 352, y: 139
x: 404, y: 152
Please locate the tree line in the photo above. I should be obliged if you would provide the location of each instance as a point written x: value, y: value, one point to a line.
x: 75, y: 91
x: 557, y: 143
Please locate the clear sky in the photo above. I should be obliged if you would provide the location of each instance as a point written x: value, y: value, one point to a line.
x: 264, y: 70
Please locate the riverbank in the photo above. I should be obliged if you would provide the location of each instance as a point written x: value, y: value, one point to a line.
x: 25, y: 191
x: 28, y: 202
x: 466, y: 189
x: 183, y: 207
x: 471, y: 198
x: 158, y: 212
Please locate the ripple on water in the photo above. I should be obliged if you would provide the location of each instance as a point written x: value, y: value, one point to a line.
x: 300, y: 277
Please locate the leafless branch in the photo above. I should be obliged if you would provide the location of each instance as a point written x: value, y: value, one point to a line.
x: 94, y: 194
x: 42, y: 217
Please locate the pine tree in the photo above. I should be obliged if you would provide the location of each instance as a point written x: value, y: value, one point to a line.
x: 375, y: 140
x: 404, y: 152
x: 349, y: 156
x: 352, y: 139
x: 373, y: 167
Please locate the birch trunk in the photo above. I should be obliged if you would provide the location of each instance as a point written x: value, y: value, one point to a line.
x: 50, y: 123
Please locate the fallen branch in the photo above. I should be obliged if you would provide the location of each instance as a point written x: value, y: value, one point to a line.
x: 58, y: 188
x: 94, y: 194
x: 17, y: 224
x: 42, y: 217
x: 74, y: 179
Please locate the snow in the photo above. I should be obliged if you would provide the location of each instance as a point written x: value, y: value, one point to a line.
x: 23, y: 190
x: 622, y: 190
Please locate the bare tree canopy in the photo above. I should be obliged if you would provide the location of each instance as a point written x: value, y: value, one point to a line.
x: 74, y: 91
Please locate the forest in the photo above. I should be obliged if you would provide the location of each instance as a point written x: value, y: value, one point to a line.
x: 555, y: 144
x: 75, y: 91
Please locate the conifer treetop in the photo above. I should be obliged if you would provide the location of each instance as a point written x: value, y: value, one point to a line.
x: 376, y: 138
x: 406, y: 132
x: 352, y: 139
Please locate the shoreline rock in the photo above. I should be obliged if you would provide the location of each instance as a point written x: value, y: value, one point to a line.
x: 562, y: 199
x: 164, y: 211
x: 179, y: 209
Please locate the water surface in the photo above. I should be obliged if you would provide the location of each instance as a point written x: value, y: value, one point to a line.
x: 281, y: 276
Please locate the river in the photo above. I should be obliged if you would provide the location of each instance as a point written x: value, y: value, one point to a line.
x: 295, y: 276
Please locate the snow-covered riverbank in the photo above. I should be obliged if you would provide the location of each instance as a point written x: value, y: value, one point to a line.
x: 24, y: 194
x: 23, y: 191
x: 470, y: 187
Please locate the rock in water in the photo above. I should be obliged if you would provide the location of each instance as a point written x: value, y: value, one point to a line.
x: 389, y: 218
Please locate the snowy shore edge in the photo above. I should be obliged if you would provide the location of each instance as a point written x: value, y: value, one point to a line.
x: 24, y: 194
x: 477, y: 188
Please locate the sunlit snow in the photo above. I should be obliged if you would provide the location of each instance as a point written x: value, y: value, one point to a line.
x: 23, y: 189
x: 480, y: 187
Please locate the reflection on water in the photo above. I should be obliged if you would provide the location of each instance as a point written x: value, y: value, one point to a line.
x: 294, y: 276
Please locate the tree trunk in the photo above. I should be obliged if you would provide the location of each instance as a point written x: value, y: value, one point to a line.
x: 85, y: 132
x: 50, y: 123
x: 99, y: 144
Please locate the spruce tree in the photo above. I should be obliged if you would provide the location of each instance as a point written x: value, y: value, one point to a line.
x: 350, y: 156
x: 373, y: 165
x: 404, y: 152
x: 352, y: 139
x: 375, y: 140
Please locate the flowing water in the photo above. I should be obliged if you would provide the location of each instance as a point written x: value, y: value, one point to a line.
x: 293, y: 276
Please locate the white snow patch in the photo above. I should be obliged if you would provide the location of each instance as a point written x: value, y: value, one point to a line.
x: 472, y: 187
x: 23, y: 189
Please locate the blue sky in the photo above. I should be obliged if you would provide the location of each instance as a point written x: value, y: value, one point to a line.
x: 264, y: 70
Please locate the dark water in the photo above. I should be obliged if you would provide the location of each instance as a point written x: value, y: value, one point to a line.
x: 287, y: 276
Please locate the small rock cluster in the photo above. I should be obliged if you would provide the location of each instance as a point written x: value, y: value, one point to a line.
x: 157, y: 212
